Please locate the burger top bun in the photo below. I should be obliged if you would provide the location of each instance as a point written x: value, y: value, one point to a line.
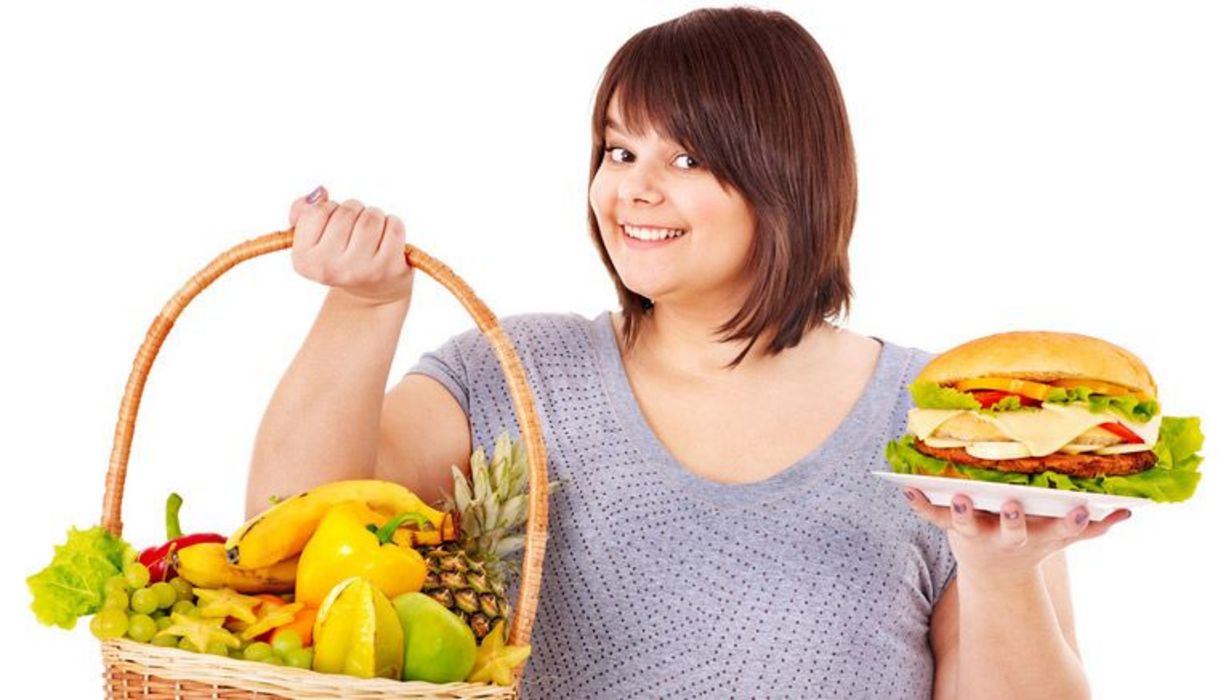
x: 1041, y: 356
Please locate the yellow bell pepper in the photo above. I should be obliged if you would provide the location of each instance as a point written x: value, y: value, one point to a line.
x: 355, y: 540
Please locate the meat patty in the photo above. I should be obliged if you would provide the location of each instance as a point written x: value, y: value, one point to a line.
x: 1083, y: 465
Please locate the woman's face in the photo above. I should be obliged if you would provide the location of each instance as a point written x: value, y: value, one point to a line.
x: 648, y: 187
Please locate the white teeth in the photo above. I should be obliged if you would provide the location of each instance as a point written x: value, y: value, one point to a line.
x: 651, y: 234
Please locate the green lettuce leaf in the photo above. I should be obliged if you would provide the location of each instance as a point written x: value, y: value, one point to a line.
x: 72, y: 584
x: 933, y: 395
x: 1173, y: 478
x: 1129, y: 407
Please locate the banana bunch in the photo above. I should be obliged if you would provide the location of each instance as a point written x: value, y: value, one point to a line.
x: 262, y: 555
x: 281, y: 532
x: 205, y: 565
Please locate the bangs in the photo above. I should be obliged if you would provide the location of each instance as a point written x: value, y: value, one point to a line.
x: 681, y: 88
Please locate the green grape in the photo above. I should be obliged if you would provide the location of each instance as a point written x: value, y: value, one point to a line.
x: 109, y: 623
x: 137, y: 574
x: 257, y: 651
x: 162, y: 621
x: 186, y: 644
x: 141, y: 627
x: 166, y: 641
x: 182, y: 587
x: 299, y: 658
x: 285, y: 641
x: 275, y: 660
x: 116, y: 601
x: 218, y: 648
x: 236, y: 654
x: 186, y: 607
x: 114, y: 585
x: 166, y: 593
x: 144, y: 601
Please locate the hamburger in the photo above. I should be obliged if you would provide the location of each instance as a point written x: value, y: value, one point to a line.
x: 1050, y: 410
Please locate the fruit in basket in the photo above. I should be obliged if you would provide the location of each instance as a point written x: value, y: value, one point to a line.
x: 199, y: 633
x: 496, y: 662
x: 438, y: 646
x: 353, y: 540
x: 358, y: 633
x: 74, y: 583
x: 159, y: 559
x: 469, y: 577
x: 226, y: 602
x: 275, y: 614
x: 206, y: 566
x: 283, y: 530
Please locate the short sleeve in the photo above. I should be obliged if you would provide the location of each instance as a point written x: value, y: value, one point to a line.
x: 447, y: 365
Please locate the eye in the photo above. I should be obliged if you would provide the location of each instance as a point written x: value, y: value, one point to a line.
x: 618, y: 154
x: 688, y: 162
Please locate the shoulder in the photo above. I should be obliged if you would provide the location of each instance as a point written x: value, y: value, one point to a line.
x: 536, y: 336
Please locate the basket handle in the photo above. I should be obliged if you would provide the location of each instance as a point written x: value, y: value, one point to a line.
x: 517, y: 383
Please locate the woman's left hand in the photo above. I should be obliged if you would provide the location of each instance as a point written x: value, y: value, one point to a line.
x: 1010, y: 544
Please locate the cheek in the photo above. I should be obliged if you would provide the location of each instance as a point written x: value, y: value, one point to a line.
x: 601, y: 195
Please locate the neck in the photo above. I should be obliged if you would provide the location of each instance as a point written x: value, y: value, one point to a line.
x: 685, y: 340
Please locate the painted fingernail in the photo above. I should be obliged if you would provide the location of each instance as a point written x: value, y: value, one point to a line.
x: 1081, y: 517
x: 1127, y: 514
x: 1011, y: 515
x: 315, y: 194
x: 909, y: 494
x: 959, y: 507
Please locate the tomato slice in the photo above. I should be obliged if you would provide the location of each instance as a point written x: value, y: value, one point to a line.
x: 988, y: 399
x: 1123, y: 432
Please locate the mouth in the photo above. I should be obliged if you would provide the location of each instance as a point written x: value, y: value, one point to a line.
x: 649, y: 237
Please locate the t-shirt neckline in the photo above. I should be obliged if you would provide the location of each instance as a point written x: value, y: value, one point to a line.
x: 869, y: 410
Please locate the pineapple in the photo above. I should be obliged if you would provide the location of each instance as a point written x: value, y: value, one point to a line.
x: 470, y: 576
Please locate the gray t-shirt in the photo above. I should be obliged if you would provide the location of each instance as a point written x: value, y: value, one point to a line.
x: 818, y: 582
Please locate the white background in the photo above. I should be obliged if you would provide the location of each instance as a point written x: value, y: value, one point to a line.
x: 1039, y: 165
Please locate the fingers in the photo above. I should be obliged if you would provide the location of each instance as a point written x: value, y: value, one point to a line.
x: 923, y: 507
x: 1013, y: 524
x: 391, y: 247
x: 319, y: 194
x: 1095, y: 529
x: 366, y: 234
x: 339, y: 229
x: 962, y: 515
x: 308, y: 220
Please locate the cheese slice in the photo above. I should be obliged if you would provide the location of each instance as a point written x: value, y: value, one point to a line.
x: 1041, y: 432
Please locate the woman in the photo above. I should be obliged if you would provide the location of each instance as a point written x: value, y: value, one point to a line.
x: 719, y: 532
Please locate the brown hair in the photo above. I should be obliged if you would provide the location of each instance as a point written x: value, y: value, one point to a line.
x: 751, y: 95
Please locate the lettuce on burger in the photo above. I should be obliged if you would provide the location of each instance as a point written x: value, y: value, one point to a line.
x: 1054, y: 410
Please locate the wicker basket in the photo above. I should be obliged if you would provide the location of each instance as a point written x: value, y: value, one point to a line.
x: 135, y: 670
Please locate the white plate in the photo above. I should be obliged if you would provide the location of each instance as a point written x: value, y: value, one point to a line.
x: 990, y: 496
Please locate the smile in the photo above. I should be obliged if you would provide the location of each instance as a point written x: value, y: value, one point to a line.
x: 651, y: 235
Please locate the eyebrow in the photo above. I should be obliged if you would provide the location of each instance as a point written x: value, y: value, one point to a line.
x: 611, y: 123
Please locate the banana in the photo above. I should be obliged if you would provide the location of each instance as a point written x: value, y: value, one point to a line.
x: 282, y: 531
x: 205, y: 565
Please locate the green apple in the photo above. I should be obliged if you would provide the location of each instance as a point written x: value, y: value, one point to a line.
x: 438, y: 646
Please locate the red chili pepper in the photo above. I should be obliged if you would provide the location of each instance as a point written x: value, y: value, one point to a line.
x: 158, y: 558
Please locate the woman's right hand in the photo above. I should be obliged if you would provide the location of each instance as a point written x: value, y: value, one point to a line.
x: 352, y: 248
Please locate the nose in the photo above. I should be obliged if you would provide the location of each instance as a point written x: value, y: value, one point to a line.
x: 638, y: 185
